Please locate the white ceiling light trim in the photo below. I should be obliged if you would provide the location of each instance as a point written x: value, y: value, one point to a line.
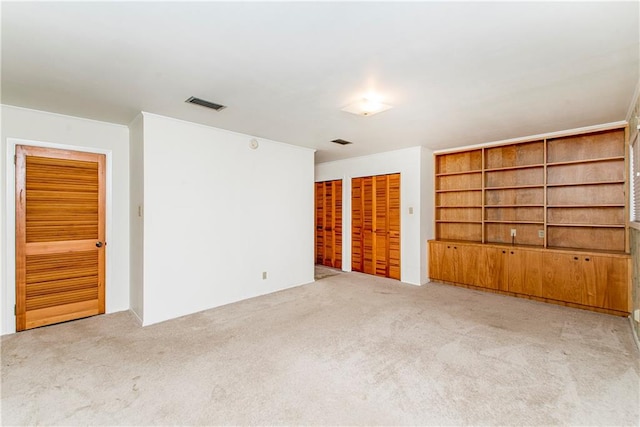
x: 367, y: 106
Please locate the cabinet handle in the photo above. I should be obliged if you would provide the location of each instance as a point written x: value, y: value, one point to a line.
x: 586, y: 259
x: 511, y: 252
x: 455, y: 247
x: 575, y: 257
x: 448, y: 247
x: 504, y: 252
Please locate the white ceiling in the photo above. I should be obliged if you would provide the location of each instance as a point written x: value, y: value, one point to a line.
x: 457, y: 73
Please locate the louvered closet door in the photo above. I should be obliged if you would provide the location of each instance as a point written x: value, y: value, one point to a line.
x: 357, y: 225
x: 328, y: 200
x: 376, y: 225
x: 60, y: 232
x: 319, y: 223
x: 393, y: 224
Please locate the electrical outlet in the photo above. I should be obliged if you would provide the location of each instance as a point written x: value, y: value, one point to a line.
x: 410, y: 211
x: 513, y: 232
x: 264, y: 275
x: 541, y: 234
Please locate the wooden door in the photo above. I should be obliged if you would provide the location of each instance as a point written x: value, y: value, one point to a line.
x: 319, y: 198
x: 60, y: 236
x: 357, y: 225
x: 328, y: 213
x: 393, y: 224
x: 375, y: 227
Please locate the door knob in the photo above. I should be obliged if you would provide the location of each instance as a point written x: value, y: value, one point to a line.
x: 98, y: 244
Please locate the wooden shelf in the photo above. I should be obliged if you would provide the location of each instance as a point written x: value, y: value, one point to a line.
x: 573, y: 187
x: 515, y: 187
x: 508, y: 168
x: 587, y: 225
x: 458, y: 190
x: 572, y: 162
x: 459, y: 173
x: 513, y: 206
x: 573, y: 184
x: 586, y: 206
x: 512, y: 222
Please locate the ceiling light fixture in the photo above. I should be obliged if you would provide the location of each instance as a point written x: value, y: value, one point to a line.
x: 367, y: 106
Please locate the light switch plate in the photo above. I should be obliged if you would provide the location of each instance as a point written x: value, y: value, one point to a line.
x: 513, y: 232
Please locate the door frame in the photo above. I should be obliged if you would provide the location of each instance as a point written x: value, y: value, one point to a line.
x: 8, y: 291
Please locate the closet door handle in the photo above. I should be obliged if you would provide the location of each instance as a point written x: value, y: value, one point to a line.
x: 98, y: 244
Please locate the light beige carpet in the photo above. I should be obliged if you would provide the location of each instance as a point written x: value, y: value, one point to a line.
x: 348, y: 349
x: 322, y: 272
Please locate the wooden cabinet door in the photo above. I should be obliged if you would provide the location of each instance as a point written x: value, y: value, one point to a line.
x: 469, y: 260
x: 375, y: 228
x: 562, y: 277
x: 606, y: 282
x: 60, y: 232
x: 525, y: 272
x: 436, y: 257
x: 443, y: 262
x: 493, y: 271
x: 328, y: 215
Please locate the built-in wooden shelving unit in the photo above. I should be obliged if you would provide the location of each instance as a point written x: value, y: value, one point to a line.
x: 562, y: 192
x: 566, y: 199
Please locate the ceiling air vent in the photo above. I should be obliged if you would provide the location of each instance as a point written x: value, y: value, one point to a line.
x: 208, y: 104
x: 342, y: 142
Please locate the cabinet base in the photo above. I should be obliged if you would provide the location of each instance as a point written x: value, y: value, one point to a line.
x: 539, y: 299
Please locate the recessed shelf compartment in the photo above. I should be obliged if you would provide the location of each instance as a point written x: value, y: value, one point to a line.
x: 459, y: 198
x: 598, y: 216
x: 459, y: 231
x: 586, y: 195
x: 514, y: 214
x: 465, y: 161
x: 506, y: 156
x: 609, y: 239
x: 460, y: 214
x: 586, y: 173
x: 526, y: 233
x: 596, y: 145
x: 459, y: 181
x: 514, y: 177
x: 523, y: 196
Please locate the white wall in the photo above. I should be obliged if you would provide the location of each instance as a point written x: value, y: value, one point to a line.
x: 413, y: 193
x: 427, y: 186
x: 54, y: 130
x: 136, y: 208
x: 217, y: 214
